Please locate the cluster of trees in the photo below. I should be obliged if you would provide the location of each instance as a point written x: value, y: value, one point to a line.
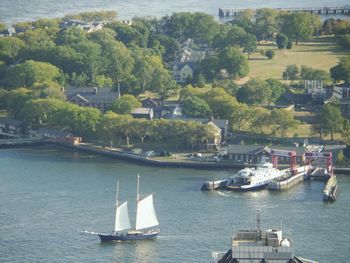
x: 269, y: 22
x: 293, y: 72
x: 99, y: 59
x: 220, y: 104
x: 340, y: 28
x: 331, y: 120
x: 336, y: 26
x: 110, y: 127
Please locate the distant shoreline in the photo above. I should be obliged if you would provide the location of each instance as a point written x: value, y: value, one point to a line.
x: 11, y: 14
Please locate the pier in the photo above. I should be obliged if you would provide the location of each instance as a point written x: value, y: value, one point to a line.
x: 227, y: 12
x: 18, y: 142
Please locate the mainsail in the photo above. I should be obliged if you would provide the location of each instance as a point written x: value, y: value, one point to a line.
x: 146, y: 215
x: 122, y: 221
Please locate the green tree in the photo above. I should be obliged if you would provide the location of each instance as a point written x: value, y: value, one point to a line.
x: 125, y: 104
x: 40, y: 111
x: 102, y: 81
x: 108, y: 127
x: 71, y: 36
x: 2, y: 26
x: 143, y: 128
x: 327, y: 27
x: 283, y: 120
x: 291, y: 72
x: 10, y: 47
x: 260, y: 119
x: 234, y: 62
x: 29, y: 73
x: 277, y: 89
x: 307, y: 73
x: 281, y: 41
x: 209, y: 67
x: 220, y: 102
x: 240, y: 116
x: 245, y: 20
x: 229, y: 85
x: 270, y: 54
x: 298, y: 26
x: 230, y: 35
x: 38, y: 44
x: 195, y: 107
x: 255, y: 91
x: 249, y: 44
x: 330, y: 119
x: 15, y: 99
x: 120, y: 62
x: 266, y: 23
x: 79, y: 80
x: 342, y: 70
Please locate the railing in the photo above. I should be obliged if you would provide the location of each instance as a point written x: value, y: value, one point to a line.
x: 317, y: 10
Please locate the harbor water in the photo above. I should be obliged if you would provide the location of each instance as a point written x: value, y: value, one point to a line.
x: 18, y: 10
x: 52, y: 200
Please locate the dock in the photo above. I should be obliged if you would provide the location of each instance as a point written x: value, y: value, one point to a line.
x: 227, y: 12
x: 18, y: 142
x: 290, y: 180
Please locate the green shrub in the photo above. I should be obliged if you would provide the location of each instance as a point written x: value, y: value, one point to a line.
x: 270, y: 54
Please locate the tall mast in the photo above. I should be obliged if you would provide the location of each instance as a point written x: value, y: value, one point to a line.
x: 116, y: 198
x: 116, y: 208
x: 137, y: 196
x: 138, y: 188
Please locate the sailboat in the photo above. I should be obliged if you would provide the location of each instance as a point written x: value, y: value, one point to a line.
x: 146, y: 220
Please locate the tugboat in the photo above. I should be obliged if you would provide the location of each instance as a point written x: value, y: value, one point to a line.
x: 249, y: 179
x: 146, y: 220
x: 259, y: 246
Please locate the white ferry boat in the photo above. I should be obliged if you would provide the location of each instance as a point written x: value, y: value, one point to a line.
x: 257, y: 246
x: 249, y: 179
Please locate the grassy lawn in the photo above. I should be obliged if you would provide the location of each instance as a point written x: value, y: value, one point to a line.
x: 3, y: 113
x: 320, y: 53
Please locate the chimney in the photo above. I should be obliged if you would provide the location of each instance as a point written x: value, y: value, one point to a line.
x: 95, y: 90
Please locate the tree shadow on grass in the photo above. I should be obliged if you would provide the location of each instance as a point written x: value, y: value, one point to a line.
x: 334, y: 50
x: 252, y: 59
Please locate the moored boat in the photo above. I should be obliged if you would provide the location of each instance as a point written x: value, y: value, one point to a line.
x: 249, y: 179
x: 146, y: 220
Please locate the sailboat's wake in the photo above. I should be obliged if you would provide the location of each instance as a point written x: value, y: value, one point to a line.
x: 222, y: 193
x: 89, y: 232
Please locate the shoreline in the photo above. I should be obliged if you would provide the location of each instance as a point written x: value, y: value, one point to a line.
x: 143, y: 160
x: 174, y: 163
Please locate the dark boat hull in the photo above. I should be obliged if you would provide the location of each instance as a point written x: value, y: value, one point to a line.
x: 128, y: 237
x: 240, y: 189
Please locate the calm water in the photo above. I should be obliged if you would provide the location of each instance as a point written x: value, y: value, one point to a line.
x: 12, y: 11
x: 49, y: 197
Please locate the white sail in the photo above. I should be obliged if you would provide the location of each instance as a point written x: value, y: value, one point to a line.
x: 146, y: 215
x: 122, y: 221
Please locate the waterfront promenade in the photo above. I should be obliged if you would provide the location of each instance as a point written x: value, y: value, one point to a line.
x: 180, y: 160
x: 177, y: 160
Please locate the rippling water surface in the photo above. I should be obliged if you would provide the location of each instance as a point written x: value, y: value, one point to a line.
x: 50, y: 198
x: 12, y: 11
